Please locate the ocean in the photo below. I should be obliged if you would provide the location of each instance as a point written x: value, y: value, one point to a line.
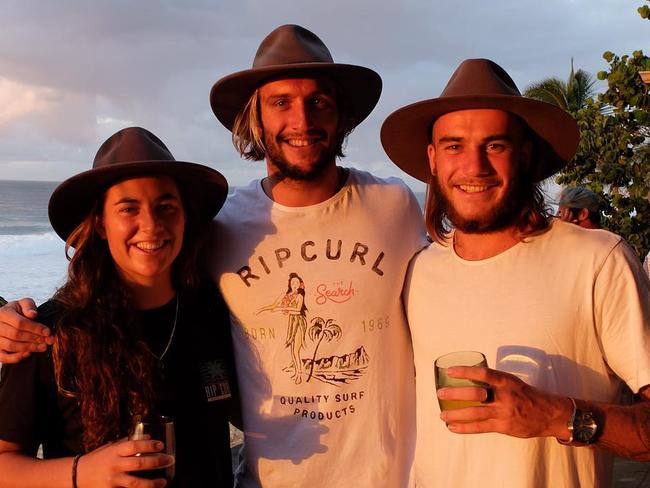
x: 32, y: 260
x: 32, y: 256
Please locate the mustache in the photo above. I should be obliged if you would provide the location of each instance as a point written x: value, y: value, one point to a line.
x: 308, y: 133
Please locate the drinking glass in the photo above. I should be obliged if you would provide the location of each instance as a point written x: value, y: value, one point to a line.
x: 459, y: 358
x: 160, y: 428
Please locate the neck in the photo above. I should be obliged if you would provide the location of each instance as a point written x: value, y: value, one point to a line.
x: 155, y: 293
x: 302, y: 193
x: 588, y: 224
x: 474, y: 247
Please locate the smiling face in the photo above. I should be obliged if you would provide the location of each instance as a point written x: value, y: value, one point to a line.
x: 476, y: 158
x: 143, y: 221
x: 300, y: 122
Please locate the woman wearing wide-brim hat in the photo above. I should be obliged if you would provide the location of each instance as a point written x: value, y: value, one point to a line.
x: 138, y: 331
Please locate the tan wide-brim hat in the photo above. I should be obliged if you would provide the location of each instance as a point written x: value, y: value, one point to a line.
x: 293, y: 51
x: 479, y: 84
x: 131, y: 153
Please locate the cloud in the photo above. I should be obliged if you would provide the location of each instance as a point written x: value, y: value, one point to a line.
x: 73, y: 71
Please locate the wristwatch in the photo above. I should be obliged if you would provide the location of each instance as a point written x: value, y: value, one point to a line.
x: 582, y: 427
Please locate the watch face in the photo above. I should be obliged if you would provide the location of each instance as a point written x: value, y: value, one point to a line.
x: 584, y: 427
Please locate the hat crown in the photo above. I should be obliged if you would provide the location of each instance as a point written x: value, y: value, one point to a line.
x: 291, y: 44
x: 480, y: 77
x: 131, y: 145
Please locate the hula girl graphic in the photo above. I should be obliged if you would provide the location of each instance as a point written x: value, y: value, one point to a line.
x: 334, y: 370
x: 292, y: 303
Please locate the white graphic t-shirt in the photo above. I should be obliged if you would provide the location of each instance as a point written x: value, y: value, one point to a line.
x: 322, y: 348
x: 567, y: 311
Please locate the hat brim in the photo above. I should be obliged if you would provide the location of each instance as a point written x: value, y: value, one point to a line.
x: 406, y: 133
x: 361, y: 85
x: 72, y: 199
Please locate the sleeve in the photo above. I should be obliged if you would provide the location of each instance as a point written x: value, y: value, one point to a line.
x: 210, y: 464
x: 18, y: 401
x: 622, y: 315
x: 217, y: 367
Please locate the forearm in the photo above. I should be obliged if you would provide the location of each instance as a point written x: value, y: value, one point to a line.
x: 625, y: 429
x: 19, y: 470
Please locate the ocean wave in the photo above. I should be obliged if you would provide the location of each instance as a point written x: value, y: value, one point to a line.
x: 41, y: 244
x: 28, y: 239
x: 31, y: 265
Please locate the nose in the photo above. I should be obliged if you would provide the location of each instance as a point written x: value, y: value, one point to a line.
x: 148, y: 220
x: 300, y: 116
x: 476, y: 162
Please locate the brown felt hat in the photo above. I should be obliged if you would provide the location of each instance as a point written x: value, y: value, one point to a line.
x: 477, y: 84
x: 130, y: 153
x: 291, y: 51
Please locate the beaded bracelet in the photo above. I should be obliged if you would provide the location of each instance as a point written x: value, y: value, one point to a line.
x: 75, y: 462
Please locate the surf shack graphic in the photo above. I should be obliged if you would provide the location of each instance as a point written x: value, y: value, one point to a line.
x: 302, y: 335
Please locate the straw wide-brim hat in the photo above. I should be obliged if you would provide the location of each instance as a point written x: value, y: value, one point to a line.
x: 131, y: 153
x: 479, y: 84
x: 292, y: 51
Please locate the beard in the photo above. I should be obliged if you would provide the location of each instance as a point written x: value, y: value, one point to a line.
x: 505, y: 213
x: 290, y: 171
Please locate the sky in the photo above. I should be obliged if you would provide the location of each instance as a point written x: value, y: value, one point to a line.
x: 72, y: 72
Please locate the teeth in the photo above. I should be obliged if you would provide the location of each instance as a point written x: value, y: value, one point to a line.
x: 300, y: 142
x: 150, y: 245
x: 473, y: 188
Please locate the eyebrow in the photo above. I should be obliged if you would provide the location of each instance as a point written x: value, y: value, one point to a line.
x: 164, y: 196
x: 490, y: 138
x: 311, y: 94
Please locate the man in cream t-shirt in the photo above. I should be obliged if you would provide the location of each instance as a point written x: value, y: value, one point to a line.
x: 561, y: 313
x: 311, y: 261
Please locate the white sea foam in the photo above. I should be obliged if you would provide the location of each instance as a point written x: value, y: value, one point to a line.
x: 31, y: 265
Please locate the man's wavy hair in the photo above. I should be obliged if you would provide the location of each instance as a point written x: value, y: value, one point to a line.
x: 248, y: 132
x: 533, y: 216
x: 98, y: 358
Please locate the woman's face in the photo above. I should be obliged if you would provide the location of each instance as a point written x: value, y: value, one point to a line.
x: 294, y: 284
x: 143, y: 220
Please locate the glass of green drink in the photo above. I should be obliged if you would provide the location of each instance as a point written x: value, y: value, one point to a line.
x: 459, y: 358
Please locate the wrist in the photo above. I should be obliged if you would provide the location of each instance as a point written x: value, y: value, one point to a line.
x: 560, y: 422
x: 583, y: 425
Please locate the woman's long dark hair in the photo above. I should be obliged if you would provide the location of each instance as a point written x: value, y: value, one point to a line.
x: 98, y: 359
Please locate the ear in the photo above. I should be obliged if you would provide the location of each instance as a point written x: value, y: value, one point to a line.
x: 583, y: 214
x: 431, y: 153
x: 99, y: 227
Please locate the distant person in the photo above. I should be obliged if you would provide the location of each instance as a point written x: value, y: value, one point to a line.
x: 138, y: 331
x: 561, y: 313
x: 580, y: 206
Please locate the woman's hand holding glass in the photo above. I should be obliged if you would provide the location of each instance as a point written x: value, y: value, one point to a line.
x: 117, y: 463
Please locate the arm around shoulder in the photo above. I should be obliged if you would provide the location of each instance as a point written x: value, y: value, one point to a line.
x: 19, y: 333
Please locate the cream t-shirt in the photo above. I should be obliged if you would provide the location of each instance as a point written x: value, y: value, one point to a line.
x: 322, y: 348
x: 567, y: 311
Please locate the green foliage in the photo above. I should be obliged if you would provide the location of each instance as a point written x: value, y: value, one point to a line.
x: 613, y: 157
x: 571, y: 95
